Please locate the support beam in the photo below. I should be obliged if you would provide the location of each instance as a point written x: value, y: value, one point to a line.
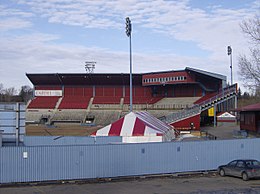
x: 215, y: 115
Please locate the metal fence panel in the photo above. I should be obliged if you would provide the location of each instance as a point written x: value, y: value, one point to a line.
x: 12, y: 122
x: 69, y: 140
x: 41, y: 163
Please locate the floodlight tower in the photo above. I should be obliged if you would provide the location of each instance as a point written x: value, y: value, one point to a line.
x: 90, y: 66
x: 229, y: 52
x: 128, y: 33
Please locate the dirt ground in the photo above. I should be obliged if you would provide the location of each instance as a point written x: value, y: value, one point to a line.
x: 60, y: 130
x: 221, y: 132
x: 204, y: 184
x: 228, y: 132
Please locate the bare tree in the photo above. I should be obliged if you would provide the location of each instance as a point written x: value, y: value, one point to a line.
x: 1, y: 88
x: 26, y: 93
x: 9, y: 93
x: 1, y: 92
x: 249, y: 66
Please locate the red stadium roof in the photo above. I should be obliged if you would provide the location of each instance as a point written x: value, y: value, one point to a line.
x: 252, y: 107
x: 83, y: 79
x: 58, y: 79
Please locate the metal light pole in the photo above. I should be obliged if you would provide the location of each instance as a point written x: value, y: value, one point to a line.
x: 229, y: 52
x: 128, y: 33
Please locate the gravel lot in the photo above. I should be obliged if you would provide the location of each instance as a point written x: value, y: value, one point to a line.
x: 211, y: 183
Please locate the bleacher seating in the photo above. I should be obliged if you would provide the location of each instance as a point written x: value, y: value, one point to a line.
x: 142, y: 100
x: 105, y: 117
x: 69, y: 115
x: 36, y: 115
x: 161, y: 113
x: 175, y: 103
x: 78, y: 91
x: 106, y: 100
x: 206, y: 97
x: 43, y: 102
x: 74, y: 102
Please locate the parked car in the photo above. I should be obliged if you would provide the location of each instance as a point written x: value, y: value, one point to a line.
x: 246, y: 169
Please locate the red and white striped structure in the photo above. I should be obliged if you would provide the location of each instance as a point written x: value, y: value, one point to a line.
x: 226, y: 119
x: 138, y: 127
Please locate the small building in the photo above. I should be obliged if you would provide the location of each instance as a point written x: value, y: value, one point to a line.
x: 226, y: 119
x: 250, y: 118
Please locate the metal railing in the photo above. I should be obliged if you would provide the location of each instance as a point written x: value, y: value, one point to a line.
x: 185, y: 113
x: 197, y: 108
x: 221, y: 95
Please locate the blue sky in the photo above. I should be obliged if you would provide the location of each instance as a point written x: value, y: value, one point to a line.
x: 58, y: 36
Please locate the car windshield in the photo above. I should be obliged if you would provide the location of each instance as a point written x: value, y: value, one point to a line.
x: 252, y: 163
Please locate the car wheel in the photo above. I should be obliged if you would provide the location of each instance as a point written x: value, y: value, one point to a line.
x: 222, y: 172
x: 244, y: 176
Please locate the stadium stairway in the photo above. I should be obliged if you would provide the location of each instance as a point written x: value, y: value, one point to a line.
x: 199, y: 106
x: 90, y: 103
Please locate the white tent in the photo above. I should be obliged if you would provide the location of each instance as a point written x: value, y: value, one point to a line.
x: 226, y: 119
x: 139, y: 127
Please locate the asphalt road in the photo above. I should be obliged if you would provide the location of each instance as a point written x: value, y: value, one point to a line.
x: 212, y: 184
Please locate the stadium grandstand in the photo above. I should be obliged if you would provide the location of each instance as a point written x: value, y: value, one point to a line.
x: 181, y: 98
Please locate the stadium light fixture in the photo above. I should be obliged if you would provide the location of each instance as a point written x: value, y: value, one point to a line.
x: 90, y: 66
x: 229, y: 52
x: 128, y: 33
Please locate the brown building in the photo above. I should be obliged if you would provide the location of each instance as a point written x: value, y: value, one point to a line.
x: 250, y: 118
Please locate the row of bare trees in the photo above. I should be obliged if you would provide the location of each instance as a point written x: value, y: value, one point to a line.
x: 12, y: 95
x: 249, y: 66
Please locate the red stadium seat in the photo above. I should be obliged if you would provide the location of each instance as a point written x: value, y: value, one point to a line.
x: 74, y: 102
x: 44, y: 102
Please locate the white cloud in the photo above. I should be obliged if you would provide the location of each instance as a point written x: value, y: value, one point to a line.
x: 13, y: 23
x: 211, y: 30
x: 10, y: 12
x: 12, y: 19
x: 35, y: 54
x: 174, y: 18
